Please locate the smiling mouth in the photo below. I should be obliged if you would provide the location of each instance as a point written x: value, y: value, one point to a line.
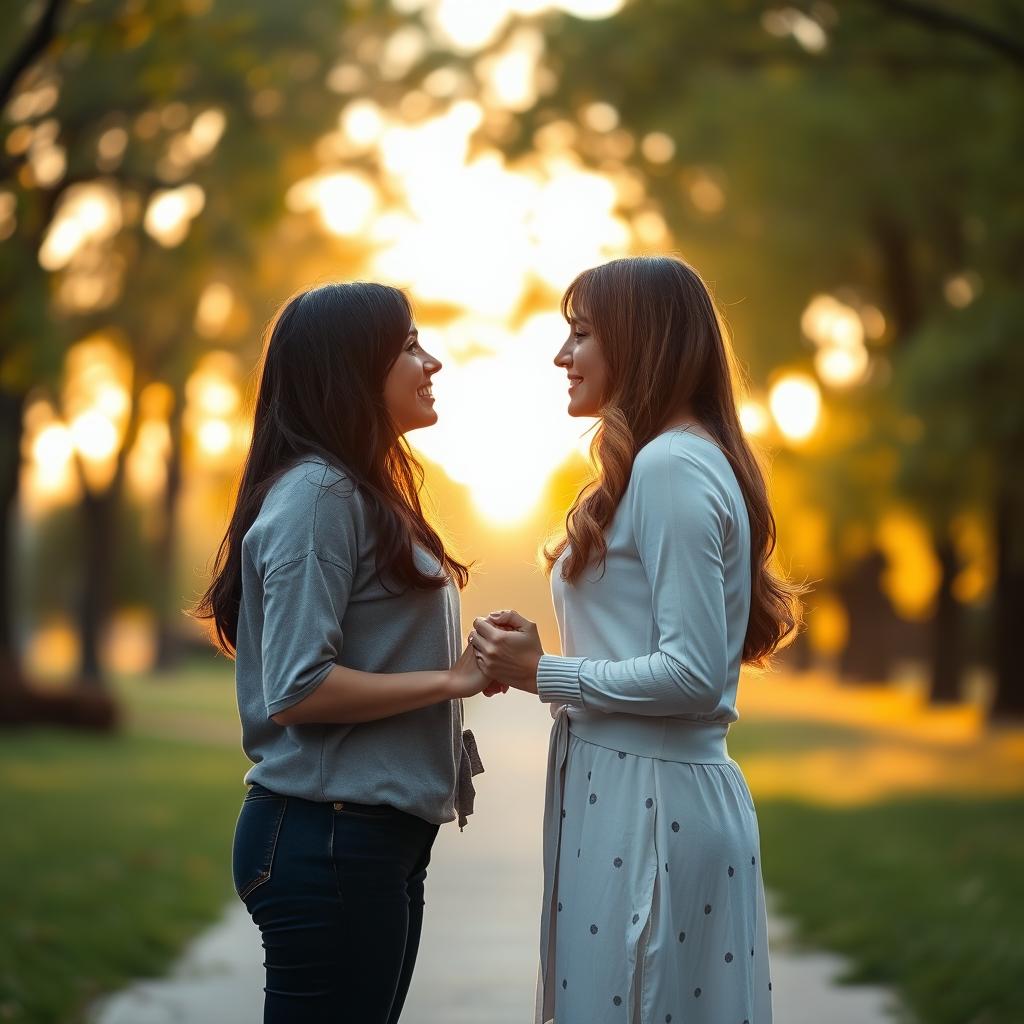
x: 426, y: 392
x: 573, y: 381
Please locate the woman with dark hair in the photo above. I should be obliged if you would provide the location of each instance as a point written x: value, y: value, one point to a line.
x: 340, y: 605
x: 662, y: 586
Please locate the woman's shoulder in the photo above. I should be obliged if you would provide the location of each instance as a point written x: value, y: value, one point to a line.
x: 309, y: 488
x: 314, y: 476
x: 313, y: 506
x: 681, y: 467
x: 681, y: 451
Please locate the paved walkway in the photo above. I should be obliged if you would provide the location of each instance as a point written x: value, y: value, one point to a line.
x: 477, y: 962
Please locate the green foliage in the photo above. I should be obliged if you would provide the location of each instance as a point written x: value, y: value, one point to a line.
x: 815, y: 151
x: 150, y: 69
x: 961, y: 376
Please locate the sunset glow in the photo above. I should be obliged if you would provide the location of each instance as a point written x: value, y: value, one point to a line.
x: 502, y: 423
x: 795, y: 402
x: 496, y: 241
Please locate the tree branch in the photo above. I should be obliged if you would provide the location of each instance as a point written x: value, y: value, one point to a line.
x: 939, y: 20
x: 42, y: 34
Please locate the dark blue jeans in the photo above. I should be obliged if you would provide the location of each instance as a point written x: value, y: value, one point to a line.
x: 337, y: 892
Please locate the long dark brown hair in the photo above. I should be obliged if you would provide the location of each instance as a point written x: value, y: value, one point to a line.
x: 326, y: 355
x: 665, y: 348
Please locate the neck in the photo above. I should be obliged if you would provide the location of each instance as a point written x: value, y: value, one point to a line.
x: 692, y: 424
x: 682, y: 418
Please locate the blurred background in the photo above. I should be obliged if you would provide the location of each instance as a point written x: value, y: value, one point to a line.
x: 846, y: 176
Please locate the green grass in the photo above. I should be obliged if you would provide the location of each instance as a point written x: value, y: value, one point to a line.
x: 202, y: 688
x: 115, y: 851
x: 926, y: 895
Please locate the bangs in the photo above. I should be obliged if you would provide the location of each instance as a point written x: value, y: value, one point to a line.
x: 576, y: 300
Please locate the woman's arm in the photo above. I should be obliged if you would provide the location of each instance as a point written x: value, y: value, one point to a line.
x: 679, y: 523
x: 347, y: 695
x: 679, y: 526
x: 304, y: 601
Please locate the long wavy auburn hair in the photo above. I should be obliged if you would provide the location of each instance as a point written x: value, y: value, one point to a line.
x: 666, y: 350
x: 321, y: 392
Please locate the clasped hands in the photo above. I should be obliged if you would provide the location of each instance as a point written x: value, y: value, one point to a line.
x: 507, y: 649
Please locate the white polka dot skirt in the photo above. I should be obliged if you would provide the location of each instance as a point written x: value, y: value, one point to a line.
x: 659, y: 909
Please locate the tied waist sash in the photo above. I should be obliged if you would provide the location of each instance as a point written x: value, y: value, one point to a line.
x: 668, y: 739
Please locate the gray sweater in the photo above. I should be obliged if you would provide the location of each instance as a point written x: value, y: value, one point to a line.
x: 311, y: 599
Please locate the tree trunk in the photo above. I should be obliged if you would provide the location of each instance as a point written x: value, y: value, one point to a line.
x: 99, y: 513
x: 798, y: 655
x: 898, y: 282
x: 866, y: 658
x: 21, y: 704
x: 168, y: 640
x: 1008, y: 613
x: 947, y: 653
x: 11, y: 409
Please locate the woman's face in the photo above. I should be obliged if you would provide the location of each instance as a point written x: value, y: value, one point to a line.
x: 584, y: 363
x: 407, y: 387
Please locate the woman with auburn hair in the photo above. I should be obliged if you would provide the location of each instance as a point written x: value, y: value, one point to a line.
x: 662, y: 586
x: 340, y: 606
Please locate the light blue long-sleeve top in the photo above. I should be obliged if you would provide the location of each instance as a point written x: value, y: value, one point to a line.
x: 660, y: 632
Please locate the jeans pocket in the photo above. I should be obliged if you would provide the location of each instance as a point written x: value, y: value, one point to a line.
x: 256, y: 832
x: 353, y: 810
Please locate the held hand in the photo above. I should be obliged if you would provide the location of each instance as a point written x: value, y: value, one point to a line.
x: 492, y: 688
x: 465, y: 677
x: 508, y: 648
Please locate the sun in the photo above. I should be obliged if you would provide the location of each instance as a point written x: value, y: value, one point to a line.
x: 503, y: 426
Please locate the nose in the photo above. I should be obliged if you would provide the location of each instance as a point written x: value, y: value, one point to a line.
x: 564, y: 357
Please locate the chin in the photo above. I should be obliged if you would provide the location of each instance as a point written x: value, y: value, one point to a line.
x: 425, y: 421
x: 579, y: 410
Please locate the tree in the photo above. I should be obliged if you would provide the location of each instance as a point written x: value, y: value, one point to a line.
x: 143, y: 100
